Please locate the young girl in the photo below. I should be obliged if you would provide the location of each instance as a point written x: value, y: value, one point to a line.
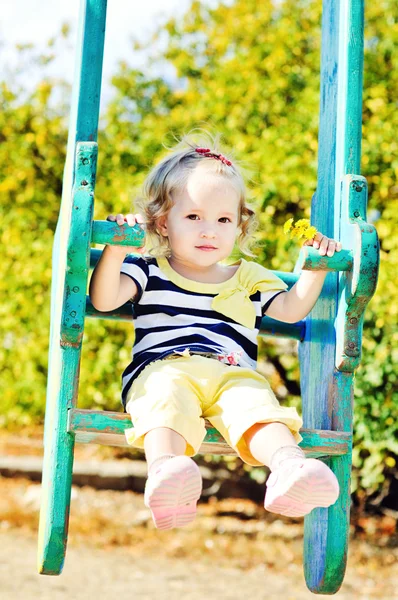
x: 196, y: 326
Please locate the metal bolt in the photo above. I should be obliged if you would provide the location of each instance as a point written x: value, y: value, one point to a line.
x: 357, y: 186
x: 73, y: 313
x: 351, y: 345
x: 354, y: 320
x: 75, y: 289
x: 84, y: 182
x: 85, y: 161
x: 356, y: 213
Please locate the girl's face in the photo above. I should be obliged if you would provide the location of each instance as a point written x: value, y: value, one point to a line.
x: 202, y: 224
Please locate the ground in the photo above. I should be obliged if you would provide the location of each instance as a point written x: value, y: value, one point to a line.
x: 233, y: 549
x: 114, y: 550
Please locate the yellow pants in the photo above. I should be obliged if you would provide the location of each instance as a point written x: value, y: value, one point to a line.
x: 182, y: 392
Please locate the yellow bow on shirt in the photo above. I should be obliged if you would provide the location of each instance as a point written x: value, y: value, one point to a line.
x: 234, y: 301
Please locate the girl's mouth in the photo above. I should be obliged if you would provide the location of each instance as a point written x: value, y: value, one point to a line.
x: 206, y: 248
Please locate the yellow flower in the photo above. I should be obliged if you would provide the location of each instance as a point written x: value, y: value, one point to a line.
x: 310, y: 233
x: 299, y: 229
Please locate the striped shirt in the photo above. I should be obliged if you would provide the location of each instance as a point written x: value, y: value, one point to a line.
x: 172, y: 313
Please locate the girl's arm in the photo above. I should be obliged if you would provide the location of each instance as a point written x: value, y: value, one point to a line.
x: 109, y: 288
x: 295, y: 304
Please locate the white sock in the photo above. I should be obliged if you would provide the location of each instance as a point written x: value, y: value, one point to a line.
x: 285, y: 453
x: 155, y: 464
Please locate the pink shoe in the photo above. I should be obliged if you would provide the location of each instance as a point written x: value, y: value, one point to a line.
x: 297, y: 487
x: 172, y: 491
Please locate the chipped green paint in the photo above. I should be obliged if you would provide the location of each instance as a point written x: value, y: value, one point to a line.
x: 78, y: 248
x: 58, y: 458
x: 68, y: 309
x: 96, y: 426
x: 107, y: 232
x: 310, y: 260
x: 333, y: 329
x: 105, y: 423
x: 295, y: 331
x: 269, y: 326
x: 327, y: 529
x: 64, y: 352
x: 123, y: 313
x: 355, y: 288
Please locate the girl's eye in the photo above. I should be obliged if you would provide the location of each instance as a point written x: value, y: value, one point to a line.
x: 193, y: 217
x: 225, y: 220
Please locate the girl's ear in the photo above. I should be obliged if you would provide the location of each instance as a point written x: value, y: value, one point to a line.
x: 161, y: 226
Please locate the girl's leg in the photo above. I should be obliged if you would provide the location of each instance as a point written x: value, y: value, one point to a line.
x: 296, y: 484
x: 174, y: 482
x: 265, y: 439
x: 162, y: 443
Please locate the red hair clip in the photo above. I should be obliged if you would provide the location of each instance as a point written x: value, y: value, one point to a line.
x: 209, y: 153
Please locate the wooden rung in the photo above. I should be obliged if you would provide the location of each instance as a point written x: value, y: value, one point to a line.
x: 289, y: 278
x: 107, y: 428
x: 107, y: 232
x: 310, y: 260
x: 295, y: 331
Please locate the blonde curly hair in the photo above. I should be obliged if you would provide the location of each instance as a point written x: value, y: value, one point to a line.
x: 171, y: 175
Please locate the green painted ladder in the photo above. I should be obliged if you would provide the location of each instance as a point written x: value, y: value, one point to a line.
x: 329, y: 339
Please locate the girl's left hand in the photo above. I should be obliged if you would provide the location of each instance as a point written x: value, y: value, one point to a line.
x: 327, y: 246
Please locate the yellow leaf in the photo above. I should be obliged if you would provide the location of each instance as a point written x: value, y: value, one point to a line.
x: 287, y: 226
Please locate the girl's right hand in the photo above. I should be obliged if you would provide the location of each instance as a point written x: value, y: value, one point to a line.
x: 131, y: 220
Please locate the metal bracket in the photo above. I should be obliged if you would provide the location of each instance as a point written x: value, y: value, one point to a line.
x: 357, y: 286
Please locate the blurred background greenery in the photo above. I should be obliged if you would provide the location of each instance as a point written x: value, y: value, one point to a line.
x: 250, y: 71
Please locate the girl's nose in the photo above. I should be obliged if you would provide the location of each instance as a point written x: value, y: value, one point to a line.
x: 208, y: 232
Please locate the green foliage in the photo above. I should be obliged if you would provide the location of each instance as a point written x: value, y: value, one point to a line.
x: 376, y: 390
x: 250, y: 71
x: 32, y: 152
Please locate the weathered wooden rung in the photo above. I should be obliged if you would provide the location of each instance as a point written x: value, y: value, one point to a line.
x: 104, y: 427
x: 289, y: 278
x: 310, y: 260
x: 295, y: 331
x: 107, y: 232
